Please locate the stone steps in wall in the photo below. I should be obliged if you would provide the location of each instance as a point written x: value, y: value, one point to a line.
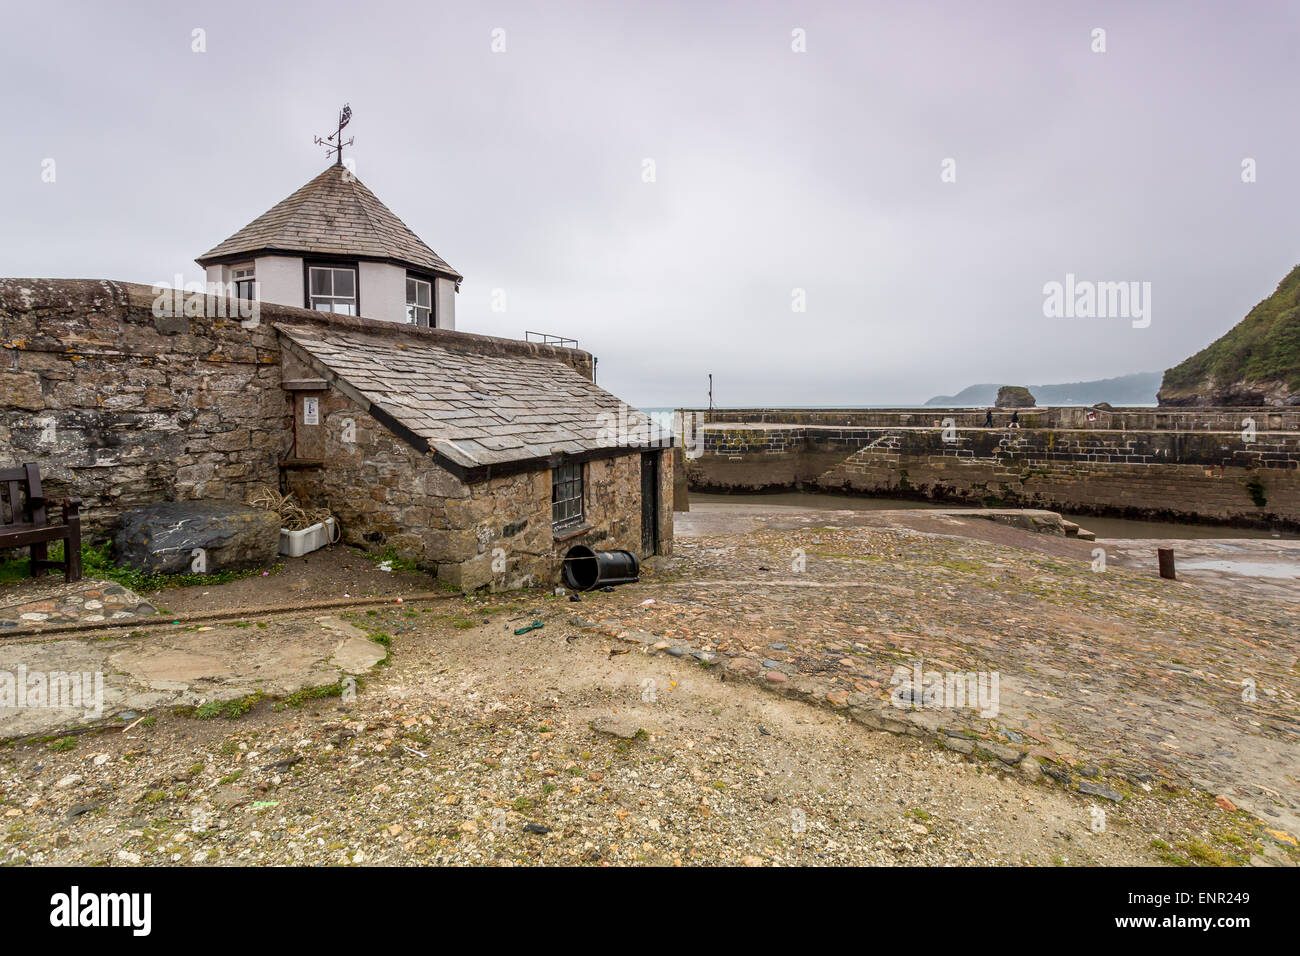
x: 1072, y: 530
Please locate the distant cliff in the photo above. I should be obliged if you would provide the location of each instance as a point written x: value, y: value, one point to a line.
x: 1256, y: 363
x: 1137, y: 389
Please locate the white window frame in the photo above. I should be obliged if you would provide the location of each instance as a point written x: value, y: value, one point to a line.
x: 413, y: 308
x: 243, y: 282
x: 339, y: 304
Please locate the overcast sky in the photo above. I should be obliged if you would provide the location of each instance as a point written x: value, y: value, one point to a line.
x: 774, y: 170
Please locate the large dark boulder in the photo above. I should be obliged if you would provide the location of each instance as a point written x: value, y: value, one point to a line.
x: 162, y: 538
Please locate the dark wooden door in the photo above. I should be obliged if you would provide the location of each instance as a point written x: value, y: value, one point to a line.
x: 649, y: 503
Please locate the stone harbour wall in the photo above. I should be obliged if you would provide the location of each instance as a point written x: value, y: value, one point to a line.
x: 1056, y: 416
x: 1162, y: 474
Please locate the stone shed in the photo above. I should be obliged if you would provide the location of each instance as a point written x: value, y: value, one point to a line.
x: 489, y: 456
x: 482, y: 459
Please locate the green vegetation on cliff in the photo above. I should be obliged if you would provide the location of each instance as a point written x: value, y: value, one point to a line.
x: 1258, y: 358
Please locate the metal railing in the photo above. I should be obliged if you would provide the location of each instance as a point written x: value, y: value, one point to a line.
x: 545, y: 338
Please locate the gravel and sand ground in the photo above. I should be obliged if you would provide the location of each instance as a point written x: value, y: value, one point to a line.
x: 625, y: 732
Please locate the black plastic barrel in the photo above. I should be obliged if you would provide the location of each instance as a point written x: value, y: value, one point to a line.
x: 585, y: 569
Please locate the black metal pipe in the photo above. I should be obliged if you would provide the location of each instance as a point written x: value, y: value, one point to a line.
x: 585, y: 569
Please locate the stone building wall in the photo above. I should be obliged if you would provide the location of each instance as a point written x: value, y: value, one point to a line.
x: 495, y: 532
x: 122, y: 408
x: 511, y: 519
x: 1155, y: 474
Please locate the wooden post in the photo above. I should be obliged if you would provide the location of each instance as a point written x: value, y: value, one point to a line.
x: 39, y: 561
x: 1166, y: 557
x: 72, y: 544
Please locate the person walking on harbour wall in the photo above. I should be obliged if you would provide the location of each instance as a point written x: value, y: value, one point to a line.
x: 988, y: 418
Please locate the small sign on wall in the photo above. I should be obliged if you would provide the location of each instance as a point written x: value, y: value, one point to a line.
x: 311, y: 411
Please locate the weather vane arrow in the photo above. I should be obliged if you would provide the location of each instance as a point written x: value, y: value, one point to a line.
x: 333, y: 143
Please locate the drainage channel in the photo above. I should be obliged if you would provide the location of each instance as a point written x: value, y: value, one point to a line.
x: 168, y: 620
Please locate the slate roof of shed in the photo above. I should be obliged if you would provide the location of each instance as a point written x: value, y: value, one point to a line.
x: 478, y: 402
x: 334, y: 214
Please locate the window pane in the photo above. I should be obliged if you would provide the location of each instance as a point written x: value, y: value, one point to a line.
x: 566, y: 494
x: 344, y: 283
x: 419, y: 308
x: 320, y: 281
x: 417, y: 292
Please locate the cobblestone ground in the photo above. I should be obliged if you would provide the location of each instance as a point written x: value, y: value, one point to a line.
x: 50, y: 601
x: 1110, y: 680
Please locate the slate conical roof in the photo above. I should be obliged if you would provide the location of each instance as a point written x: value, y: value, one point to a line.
x: 334, y: 214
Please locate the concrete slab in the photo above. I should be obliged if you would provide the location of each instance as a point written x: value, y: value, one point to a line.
x: 176, y: 666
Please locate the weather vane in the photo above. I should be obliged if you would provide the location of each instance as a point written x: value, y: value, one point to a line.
x: 334, y: 142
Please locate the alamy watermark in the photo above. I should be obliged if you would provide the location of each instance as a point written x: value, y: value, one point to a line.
x: 1084, y: 299
x: 206, y: 300
x: 79, y: 690
x: 74, y: 909
x: 918, y: 689
x: 628, y: 427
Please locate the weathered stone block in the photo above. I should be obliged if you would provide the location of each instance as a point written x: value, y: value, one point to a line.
x: 443, y: 484
x: 22, y: 390
x: 172, y: 324
x: 235, y: 440
x: 468, y: 575
x: 452, y: 545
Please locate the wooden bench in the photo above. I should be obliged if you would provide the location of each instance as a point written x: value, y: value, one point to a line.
x: 23, y: 522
